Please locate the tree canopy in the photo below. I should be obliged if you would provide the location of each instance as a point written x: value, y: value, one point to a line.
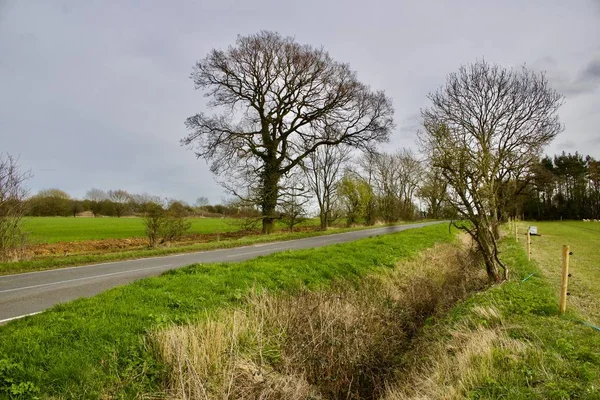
x: 485, y: 129
x: 278, y: 101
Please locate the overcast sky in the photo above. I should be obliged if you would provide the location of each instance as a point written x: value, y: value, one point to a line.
x: 95, y: 93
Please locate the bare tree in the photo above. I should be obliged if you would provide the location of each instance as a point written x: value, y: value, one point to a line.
x: 279, y: 102
x: 12, y: 207
x: 294, y: 198
x: 96, y: 196
x: 139, y: 202
x: 121, y: 199
x: 323, y: 170
x: 201, y: 202
x: 486, y: 126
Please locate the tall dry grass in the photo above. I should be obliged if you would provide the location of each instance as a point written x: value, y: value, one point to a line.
x: 457, y: 364
x: 344, y: 342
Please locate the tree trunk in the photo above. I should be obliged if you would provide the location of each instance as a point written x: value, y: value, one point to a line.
x: 495, y: 222
x: 486, y: 247
x: 324, y: 218
x: 268, y: 223
x: 491, y: 268
x: 270, y: 187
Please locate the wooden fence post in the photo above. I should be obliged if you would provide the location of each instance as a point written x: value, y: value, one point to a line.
x: 564, y: 282
x: 528, y: 246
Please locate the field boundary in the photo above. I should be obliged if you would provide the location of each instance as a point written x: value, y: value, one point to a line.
x: 75, y: 261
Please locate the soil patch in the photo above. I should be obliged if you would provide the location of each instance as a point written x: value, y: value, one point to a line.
x: 115, y: 245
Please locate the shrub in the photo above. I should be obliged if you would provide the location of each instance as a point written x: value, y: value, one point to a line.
x: 164, y: 225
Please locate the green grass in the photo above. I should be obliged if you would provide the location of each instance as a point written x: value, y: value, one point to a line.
x: 583, y: 239
x: 65, y: 229
x: 537, y: 353
x: 94, y: 347
x: 562, y: 360
x: 59, y: 261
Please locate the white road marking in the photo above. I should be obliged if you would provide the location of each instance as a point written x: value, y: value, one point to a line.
x: 82, y: 279
x: 18, y: 316
x: 255, y: 252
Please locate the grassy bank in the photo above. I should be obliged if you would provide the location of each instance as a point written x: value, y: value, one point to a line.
x: 507, y: 342
x: 95, y: 347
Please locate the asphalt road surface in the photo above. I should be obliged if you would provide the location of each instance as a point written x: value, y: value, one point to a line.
x: 32, y: 292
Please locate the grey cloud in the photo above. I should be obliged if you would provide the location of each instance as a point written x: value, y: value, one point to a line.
x: 569, y: 144
x: 410, y: 124
x: 594, y: 142
x: 95, y: 93
x: 544, y: 63
x: 585, y: 82
x: 588, y: 80
x: 592, y: 71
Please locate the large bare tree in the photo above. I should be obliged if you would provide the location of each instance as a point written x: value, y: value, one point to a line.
x: 487, y: 126
x: 278, y: 101
x: 96, y: 195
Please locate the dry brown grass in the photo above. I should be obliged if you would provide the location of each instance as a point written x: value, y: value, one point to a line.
x: 460, y: 363
x: 343, y: 342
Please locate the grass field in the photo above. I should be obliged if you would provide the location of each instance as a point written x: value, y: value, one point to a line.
x: 584, y: 241
x: 94, y: 348
x: 64, y: 229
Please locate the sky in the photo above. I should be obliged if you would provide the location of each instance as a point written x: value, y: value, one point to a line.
x: 94, y: 94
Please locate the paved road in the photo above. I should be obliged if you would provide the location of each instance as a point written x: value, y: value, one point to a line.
x: 33, y: 292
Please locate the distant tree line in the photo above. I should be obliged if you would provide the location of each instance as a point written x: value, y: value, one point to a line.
x: 566, y: 186
x: 119, y: 203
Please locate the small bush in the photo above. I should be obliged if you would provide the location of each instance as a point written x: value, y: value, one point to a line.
x: 164, y: 225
